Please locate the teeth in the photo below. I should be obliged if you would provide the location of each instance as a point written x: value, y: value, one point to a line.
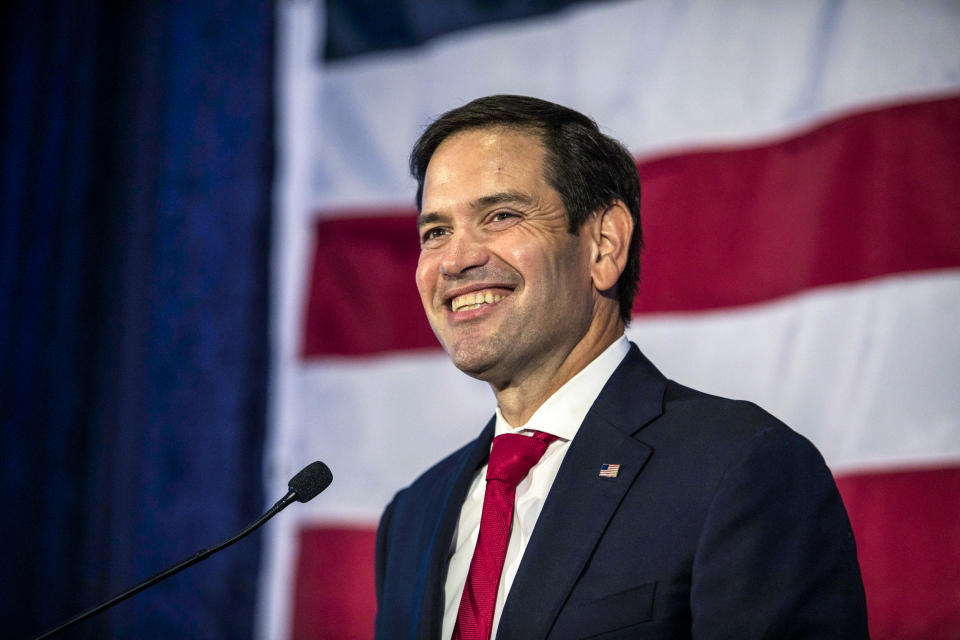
x: 474, y: 300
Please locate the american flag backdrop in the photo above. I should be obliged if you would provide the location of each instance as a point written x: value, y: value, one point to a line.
x: 800, y: 164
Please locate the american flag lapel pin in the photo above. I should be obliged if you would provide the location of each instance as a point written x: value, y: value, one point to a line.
x: 609, y: 470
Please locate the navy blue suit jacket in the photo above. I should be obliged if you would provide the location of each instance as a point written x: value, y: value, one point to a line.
x: 722, y: 523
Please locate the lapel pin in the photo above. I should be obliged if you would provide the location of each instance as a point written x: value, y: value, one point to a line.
x: 609, y: 470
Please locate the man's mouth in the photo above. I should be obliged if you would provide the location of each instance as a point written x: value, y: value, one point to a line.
x: 476, y: 299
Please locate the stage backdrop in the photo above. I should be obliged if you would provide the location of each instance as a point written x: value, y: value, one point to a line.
x: 801, y: 210
x: 136, y: 151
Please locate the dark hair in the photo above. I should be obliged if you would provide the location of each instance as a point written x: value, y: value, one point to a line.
x: 587, y: 168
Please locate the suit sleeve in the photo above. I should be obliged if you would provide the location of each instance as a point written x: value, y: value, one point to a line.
x: 776, y: 557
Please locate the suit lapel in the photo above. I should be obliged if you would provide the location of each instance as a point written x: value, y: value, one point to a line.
x: 434, y: 576
x: 581, y: 503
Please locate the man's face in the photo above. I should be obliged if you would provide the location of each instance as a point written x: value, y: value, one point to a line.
x: 504, y: 284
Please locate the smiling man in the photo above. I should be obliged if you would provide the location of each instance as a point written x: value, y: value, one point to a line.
x: 601, y: 500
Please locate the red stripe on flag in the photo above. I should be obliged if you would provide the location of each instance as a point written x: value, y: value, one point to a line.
x: 334, y: 590
x: 363, y: 298
x: 868, y: 195
x: 907, y: 526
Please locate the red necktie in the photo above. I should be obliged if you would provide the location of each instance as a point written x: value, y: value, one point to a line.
x: 511, y: 457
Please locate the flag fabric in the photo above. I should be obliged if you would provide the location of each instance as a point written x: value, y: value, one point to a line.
x: 800, y: 164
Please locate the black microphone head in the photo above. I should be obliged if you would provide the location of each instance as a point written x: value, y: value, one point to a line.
x: 312, y: 479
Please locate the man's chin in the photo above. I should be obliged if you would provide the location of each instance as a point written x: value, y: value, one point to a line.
x: 474, y: 361
x: 478, y: 368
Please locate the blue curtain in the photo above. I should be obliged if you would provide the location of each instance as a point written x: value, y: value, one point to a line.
x: 134, y: 256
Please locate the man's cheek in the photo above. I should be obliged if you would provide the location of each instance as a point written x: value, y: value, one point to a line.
x: 423, y: 283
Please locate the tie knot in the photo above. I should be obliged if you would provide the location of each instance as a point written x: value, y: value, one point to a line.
x: 512, y: 455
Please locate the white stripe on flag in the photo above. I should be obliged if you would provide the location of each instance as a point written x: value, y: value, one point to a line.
x: 657, y: 75
x: 842, y: 365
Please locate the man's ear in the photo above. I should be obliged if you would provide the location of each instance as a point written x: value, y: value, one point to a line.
x: 612, y: 228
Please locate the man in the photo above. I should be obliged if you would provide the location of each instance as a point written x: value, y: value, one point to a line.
x: 628, y: 506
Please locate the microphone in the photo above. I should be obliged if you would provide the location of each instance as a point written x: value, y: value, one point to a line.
x: 303, y: 487
x: 306, y: 485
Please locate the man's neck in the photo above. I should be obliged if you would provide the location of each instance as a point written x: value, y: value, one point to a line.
x: 519, y: 399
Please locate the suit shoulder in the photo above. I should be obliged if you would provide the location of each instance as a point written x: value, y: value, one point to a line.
x: 739, y: 417
x: 436, y: 477
x: 725, y: 427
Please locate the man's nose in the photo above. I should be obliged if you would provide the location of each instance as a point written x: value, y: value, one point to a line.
x: 464, y: 251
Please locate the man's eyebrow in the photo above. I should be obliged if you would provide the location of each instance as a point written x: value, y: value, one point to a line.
x: 500, y: 198
x: 429, y: 218
x: 480, y: 203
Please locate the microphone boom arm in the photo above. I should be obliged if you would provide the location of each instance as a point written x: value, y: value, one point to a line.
x: 313, y: 479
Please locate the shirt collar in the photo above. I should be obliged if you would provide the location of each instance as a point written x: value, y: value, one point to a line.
x: 564, y: 411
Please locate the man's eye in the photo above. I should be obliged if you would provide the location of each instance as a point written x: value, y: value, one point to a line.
x: 432, y: 234
x: 503, y: 215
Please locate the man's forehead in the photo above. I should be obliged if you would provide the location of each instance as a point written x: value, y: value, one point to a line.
x: 484, y: 163
x: 521, y: 137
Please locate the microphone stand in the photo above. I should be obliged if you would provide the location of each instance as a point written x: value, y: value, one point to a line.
x: 177, y: 568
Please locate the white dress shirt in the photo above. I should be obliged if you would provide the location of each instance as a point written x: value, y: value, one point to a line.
x: 561, y: 415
